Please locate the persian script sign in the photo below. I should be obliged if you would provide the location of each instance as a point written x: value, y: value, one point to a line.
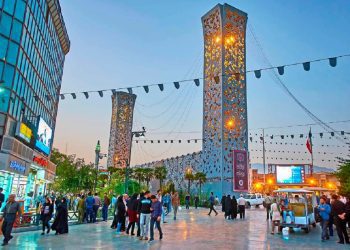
x: 240, y: 170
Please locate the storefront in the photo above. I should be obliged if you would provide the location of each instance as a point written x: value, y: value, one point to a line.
x: 14, y: 174
x: 24, y: 172
x: 45, y: 173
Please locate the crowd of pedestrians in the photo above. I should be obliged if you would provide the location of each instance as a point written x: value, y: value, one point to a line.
x: 231, y: 207
x: 45, y: 208
x: 144, y: 211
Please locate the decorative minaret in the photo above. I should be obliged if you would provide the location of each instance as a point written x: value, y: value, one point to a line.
x: 225, y: 126
x: 120, y: 137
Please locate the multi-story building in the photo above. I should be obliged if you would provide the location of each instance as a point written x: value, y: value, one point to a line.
x: 33, y: 45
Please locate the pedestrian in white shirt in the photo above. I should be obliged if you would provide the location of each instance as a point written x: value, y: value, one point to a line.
x: 241, y: 206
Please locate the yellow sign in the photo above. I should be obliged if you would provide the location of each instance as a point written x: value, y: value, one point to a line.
x: 25, y: 132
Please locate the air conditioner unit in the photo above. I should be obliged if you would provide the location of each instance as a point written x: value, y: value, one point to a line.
x: 12, y: 146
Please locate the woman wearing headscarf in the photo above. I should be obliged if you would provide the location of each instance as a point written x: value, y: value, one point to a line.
x: 46, y: 214
x: 228, y: 207
x: 132, y: 213
x: 120, y: 213
x: 234, y: 208
x: 60, y: 224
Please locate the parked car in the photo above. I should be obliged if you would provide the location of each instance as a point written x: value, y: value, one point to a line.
x: 254, y: 200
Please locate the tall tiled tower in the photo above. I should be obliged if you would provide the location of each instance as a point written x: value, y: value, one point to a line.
x: 120, y: 137
x: 225, y: 126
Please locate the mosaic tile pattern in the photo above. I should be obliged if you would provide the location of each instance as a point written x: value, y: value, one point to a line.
x: 121, y: 129
x: 177, y: 167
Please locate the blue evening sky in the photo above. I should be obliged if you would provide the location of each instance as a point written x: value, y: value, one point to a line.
x: 129, y: 43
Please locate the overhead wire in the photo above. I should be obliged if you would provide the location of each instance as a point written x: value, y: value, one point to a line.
x: 280, y: 82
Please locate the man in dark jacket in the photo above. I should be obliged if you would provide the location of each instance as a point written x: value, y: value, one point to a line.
x: 145, y: 215
x: 156, y: 209
x: 339, y: 212
x: 9, y: 214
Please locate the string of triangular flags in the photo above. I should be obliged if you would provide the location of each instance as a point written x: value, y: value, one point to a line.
x: 251, y: 138
x: 281, y: 70
x: 292, y: 159
x: 298, y: 152
x: 292, y: 136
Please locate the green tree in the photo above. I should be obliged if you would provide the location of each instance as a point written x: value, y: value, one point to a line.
x: 148, y: 174
x: 138, y: 175
x: 201, y: 178
x: 160, y: 173
x: 189, y: 177
x: 72, y: 175
x: 343, y: 174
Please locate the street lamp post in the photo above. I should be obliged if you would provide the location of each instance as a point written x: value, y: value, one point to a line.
x: 127, y: 161
x: 98, y: 156
x: 97, y: 160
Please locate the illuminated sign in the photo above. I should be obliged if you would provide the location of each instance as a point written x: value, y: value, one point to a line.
x: 44, y: 137
x: 24, y: 132
x: 290, y: 174
x: 18, y: 167
x: 40, y: 161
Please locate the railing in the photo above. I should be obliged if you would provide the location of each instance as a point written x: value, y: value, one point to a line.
x: 33, y: 219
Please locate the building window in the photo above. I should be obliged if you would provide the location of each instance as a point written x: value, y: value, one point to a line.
x: 47, y: 15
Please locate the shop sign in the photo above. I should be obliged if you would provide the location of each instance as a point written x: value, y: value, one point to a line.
x: 25, y: 133
x: 17, y: 167
x: 40, y: 161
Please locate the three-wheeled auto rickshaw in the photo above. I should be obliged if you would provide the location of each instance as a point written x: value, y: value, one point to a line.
x: 299, y: 207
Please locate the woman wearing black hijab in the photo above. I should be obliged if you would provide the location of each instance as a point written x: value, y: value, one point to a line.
x: 60, y: 224
x: 228, y: 207
x: 120, y: 213
x: 132, y: 213
x: 234, y: 208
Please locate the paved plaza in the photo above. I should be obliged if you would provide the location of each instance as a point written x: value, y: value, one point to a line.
x: 194, y: 229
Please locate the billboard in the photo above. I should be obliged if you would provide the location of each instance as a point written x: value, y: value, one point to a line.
x: 24, y: 132
x: 290, y: 174
x: 43, y: 137
x: 240, y: 170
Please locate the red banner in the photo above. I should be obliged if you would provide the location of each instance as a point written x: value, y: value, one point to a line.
x: 240, y: 170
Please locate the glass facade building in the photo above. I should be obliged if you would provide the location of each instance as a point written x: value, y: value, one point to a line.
x: 33, y: 45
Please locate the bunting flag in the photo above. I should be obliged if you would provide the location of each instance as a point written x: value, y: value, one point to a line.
x: 196, y: 81
x: 177, y: 85
x: 280, y: 70
x: 257, y: 73
x: 333, y: 61
x: 306, y: 66
x: 237, y: 75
